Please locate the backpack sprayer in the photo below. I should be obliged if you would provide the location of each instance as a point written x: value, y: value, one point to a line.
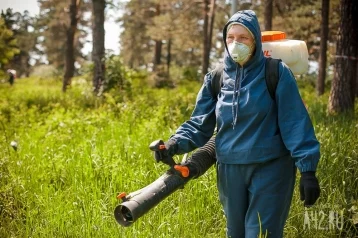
x: 294, y: 53
x: 136, y: 204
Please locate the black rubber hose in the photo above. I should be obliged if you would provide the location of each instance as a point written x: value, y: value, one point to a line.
x: 202, y: 159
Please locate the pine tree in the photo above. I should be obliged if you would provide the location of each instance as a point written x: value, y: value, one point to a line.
x: 8, y: 45
x: 299, y: 18
x: 149, y: 26
x: 343, y: 89
x: 53, y: 23
x: 70, y: 38
x: 98, y: 54
x: 209, y: 16
x: 323, y: 48
x: 268, y: 15
x: 136, y: 44
x: 22, y: 26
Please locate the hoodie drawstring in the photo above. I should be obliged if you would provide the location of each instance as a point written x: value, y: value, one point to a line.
x: 236, y: 96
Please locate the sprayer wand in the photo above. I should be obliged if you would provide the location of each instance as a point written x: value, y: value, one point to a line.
x: 138, y: 203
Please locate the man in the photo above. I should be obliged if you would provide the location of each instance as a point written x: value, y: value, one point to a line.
x: 260, y: 141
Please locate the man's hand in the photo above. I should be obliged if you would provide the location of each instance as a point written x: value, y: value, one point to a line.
x: 309, y: 188
x: 165, y: 154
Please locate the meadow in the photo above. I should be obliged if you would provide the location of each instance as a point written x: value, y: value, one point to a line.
x: 76, y: 152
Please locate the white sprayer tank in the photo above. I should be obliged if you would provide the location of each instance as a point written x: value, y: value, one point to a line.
x: 294, y: 53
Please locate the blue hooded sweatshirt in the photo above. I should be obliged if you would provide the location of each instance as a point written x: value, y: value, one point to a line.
x: 251, y: 127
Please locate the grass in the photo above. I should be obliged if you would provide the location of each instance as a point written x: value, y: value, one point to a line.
x: 76, y: 152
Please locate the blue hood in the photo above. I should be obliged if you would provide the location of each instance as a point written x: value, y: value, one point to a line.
x: 248, y: 19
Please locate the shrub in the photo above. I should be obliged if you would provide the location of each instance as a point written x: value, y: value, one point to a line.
x: 117, y: 75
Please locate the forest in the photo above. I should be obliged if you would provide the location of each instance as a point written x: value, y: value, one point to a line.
x: 76, y: 125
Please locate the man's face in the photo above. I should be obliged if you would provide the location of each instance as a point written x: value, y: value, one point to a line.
x: 239, y: 34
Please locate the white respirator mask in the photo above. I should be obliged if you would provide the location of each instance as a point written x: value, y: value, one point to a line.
x: 239, y: 52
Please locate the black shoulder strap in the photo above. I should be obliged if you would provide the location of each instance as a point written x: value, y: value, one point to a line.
x: 217, y: 80
x: 272, y: 75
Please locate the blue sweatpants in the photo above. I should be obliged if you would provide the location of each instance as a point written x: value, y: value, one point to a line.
x: 252, y: 191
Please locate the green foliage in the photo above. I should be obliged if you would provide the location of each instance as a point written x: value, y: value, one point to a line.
x: 160, y: 78
x: 181, y: 22
x: 53, y: 23
x: 118, y: 76
x: 191, y: 73
x: 8, y: 46
x: 179, y: 74
x: 301, y: 20
x: 46, y: 71
x: 76, y: 151
x: 145, y: 22
x: 135, y: 44
x: 25, y: 33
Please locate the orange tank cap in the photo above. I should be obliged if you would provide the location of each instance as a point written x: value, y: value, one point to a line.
x: 272, y: 35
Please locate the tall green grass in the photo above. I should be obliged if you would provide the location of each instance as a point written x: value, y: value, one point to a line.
x: 76, y: 152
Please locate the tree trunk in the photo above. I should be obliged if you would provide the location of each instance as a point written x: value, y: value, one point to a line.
x: 158, y: 45
x: 323, y: 48
x: 70, y: 37
x: 211, y: 25
x: 209, y: 16
x: 27, y: 65
x: 98, y: 45
x: 357, y: 80
x: 157, y: 53
x: 205, y: 62
x: 169, y: 56
x: 268, y: 15
x: 344, y: 82
x: 233, y: 7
